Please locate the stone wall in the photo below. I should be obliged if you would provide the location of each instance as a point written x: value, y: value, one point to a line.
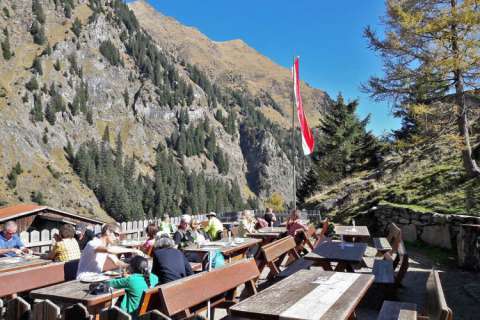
x: 439, y: 230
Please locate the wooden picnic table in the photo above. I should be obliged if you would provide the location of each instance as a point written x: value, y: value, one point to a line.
x: 310, y: 294
x: 231, y: 251
x: 345, y: 254
x: 350, y: 233
x: 8, y: 264
x: 72, y: 292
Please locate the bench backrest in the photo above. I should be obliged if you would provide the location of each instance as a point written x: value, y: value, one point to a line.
x: 114, y: 313
x: 402, y: 260
x: 18, y: 309
x: 276, y: 249
x: 181, y: 295
x: 437, y: 308
x: 77, y: 311
x: 150, y: 300
x: 46, y: 310
x: 394, y: 236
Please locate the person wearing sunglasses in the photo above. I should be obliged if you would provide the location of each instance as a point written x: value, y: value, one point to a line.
x: 99, y: 249
x: 10, y: 243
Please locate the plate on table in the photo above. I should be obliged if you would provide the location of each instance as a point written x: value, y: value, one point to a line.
x: 12, y: 260
x: 112, y: 273
x: 93, y: 277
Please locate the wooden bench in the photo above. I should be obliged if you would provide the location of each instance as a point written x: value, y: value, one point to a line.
x: 38, y: 277
x: 274, y: 253
x: 394, y: 310
x: 391, y: 242
x: 188, y: 296
x: 385, y: 270
x: 436, y: 305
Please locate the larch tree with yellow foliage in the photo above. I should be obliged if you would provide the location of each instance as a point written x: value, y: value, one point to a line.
x: 430, y: 51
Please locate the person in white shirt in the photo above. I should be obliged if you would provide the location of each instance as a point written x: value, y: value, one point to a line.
x: 99, y: 249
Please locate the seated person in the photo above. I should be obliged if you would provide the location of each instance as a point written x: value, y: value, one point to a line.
x: 166, y: 226
x: 151, y: 232
x: 66, y: 247
x: 182, y: 236
x: 261, y: 223
x: 10, y: 243
x: 99, y: 249
x: 169, y: 263
x: 214, y: 227
x: 83, y: 235
x: 198, y: 235
x: 295, y: 226
x: 270, y: 217
x: 247, y: 223
x: 135, y: 284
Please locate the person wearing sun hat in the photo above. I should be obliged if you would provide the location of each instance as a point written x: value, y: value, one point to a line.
x: 215, y: 227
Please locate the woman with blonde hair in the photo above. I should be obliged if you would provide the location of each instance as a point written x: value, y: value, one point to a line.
x: 247, y: 223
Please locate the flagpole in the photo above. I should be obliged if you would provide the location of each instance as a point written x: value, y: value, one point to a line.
x: 293, y: 138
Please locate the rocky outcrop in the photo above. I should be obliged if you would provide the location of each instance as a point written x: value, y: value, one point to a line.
x: 268, y: 168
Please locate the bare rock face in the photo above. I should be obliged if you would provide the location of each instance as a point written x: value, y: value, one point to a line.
x: 268, y: 168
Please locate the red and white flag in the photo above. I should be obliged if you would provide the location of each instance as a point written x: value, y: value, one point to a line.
x: 307, y: 136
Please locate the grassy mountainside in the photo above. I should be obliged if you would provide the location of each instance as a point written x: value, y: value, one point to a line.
x: 427, y: 178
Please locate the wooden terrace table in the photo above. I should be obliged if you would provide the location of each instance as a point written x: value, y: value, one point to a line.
x: 72, y: 292
x: 349, y: 233
x: 345, y: 254
x: 309, y: 294
x: 232, y: 252
x: 8, y: 264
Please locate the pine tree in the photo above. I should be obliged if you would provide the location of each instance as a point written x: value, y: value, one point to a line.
x: 68, y: 10
x: 430, y: 48
x: 106, y: 135
x: 37, y: 66
x: 6, y: 50
x: 126, y: 97
x: 32, y: 85
x: 37, y: 111
x: 70, y: 153
x: 50, y: 114
x: 57, y: 66
x: 38, y: 32
x: 77, y: 27
x: 38, y: 11
x: 119, y: 153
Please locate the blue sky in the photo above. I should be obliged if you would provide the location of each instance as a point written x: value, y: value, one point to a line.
x: 327, y: 35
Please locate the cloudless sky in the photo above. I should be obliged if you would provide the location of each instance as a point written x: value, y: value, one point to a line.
x: 327, y: 35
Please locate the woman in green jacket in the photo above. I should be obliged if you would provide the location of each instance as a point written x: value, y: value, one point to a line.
x: 139, y: 280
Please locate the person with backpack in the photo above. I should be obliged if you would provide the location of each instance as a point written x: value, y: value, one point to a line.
x: 135, y: 284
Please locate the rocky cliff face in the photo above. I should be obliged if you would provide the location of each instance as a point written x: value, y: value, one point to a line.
x: 120, y: 97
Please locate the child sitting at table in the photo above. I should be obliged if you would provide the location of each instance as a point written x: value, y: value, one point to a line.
x: 151, y: 232
x: 139, y: 280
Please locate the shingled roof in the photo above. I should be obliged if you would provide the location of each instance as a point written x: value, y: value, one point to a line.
x: 19, y: 210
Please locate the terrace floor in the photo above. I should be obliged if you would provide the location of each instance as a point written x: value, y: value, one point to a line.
x: 461, y: 288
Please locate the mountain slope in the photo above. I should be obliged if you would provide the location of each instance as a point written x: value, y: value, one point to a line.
x: 231, y: 63
x: 71, y: 72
